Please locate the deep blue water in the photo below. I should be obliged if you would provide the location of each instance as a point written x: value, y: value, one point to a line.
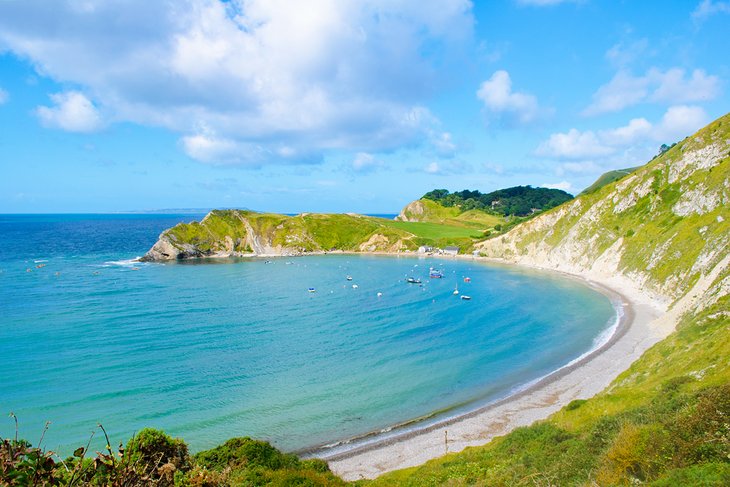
x: 211, y: 350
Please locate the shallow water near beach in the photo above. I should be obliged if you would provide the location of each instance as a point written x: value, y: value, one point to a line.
x: 216, y: 349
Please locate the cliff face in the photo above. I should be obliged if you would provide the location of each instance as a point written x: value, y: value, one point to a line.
x: 660, y: 231
x: 230, y: 233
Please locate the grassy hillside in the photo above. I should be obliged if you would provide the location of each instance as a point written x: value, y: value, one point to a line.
x: 607, y: 178
x: 429, y: 211
x: 239, y: 232
x: 661, y: 227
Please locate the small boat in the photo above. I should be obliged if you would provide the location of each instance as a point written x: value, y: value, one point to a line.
x: 467, y: 279
x: 354, y: 286
x: 380, y: 294
x: 349, y: 278
x: 456, y: 291
x: 435, y: 274
x: 312, y: 290
x: 465, y: 297
x: 413, y: 280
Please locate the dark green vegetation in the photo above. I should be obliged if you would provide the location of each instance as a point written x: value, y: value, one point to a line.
x: 152, y: 458
x: 516, y: 201
x: 607, y: 178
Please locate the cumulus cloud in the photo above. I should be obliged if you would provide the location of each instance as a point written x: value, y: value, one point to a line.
x: 3, y: 96
x: 574, y: 145
x: 671, y: 86
x: 365, y: 163
x: 636, y: 130
x: 679, y: 122
x: 71, y: 111
x: 708, y: 8
x: 314, y: 75
x: 502, y: 102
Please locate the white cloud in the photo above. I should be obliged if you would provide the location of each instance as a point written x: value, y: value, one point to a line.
x: 72, y: 111
x: 3, y: 96
x: 499, y: 99
x: 315, y: 75
x: 443, y: 144
x: 673, y: 88
x: 657, y: 86
x: 564, y: 185
x: 636, y: 130
x: 707, y: 8
x: 573, y: 144
x: 679, y: 122
x: 588, y: 151
x: 365, y: 163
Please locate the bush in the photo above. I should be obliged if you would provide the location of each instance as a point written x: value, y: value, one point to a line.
x: 159, y: 455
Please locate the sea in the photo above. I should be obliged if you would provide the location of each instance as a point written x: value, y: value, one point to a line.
x: 299, y: 351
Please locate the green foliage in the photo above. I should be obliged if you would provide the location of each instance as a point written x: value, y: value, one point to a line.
x: 246, y: 452
x: 519, y: 200
x: 158, y: 451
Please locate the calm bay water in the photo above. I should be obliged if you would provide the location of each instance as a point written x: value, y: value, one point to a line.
x: 211, y: 350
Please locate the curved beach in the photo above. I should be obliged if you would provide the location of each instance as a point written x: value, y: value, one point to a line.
x: 642, y: 323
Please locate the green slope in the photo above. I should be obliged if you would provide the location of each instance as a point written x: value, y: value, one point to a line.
x: 429, y: 211
x: 607, y: 178
x: 239, y: 232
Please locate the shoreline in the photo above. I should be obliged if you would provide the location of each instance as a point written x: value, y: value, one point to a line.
x: 645, y: 321
x: 641, y: 326
x: 408, y: 429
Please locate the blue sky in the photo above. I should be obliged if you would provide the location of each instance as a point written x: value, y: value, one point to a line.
x: 337, y: 105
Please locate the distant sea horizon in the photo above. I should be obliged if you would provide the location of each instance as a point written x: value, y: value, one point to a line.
x: 179, y: 211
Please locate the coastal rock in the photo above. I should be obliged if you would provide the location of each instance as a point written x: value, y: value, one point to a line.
x: 412, y: 212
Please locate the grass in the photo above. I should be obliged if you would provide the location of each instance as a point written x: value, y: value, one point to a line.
x: 433, y: 230
x: 607, y: 178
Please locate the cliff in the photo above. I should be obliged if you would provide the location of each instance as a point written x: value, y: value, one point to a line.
x: 231, y: 233
x: 659, y: 230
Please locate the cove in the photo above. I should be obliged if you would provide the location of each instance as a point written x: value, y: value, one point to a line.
x: 216, y: 349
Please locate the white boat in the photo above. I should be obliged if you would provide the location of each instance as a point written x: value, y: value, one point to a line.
x: 465, y: 297
x: 312, y: 290
x: 349, y: 278
x: 354, y: 286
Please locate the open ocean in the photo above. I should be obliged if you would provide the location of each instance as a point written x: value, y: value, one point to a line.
x: 216, y: 349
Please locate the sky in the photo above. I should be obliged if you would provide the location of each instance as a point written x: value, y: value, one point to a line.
x: 341, y: 105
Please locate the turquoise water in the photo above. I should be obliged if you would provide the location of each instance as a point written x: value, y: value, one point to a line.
x: 211, y: 350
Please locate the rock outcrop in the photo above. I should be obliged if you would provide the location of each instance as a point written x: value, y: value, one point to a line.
x: 659, y: 230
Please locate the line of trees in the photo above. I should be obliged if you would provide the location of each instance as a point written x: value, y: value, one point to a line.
x: 515, y: 201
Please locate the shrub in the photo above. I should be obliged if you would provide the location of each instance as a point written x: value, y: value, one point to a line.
x: 158, y: 454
